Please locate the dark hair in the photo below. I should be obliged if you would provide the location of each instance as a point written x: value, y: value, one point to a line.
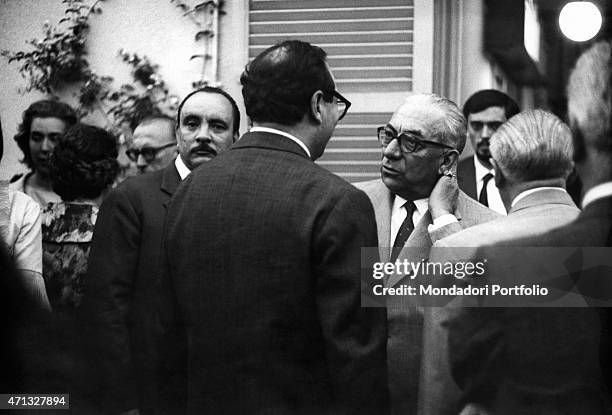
x: 278, y: 84
x: 41, y: 109
x: 213, y: 90
x: 84, y: 162
x: 486, y: 98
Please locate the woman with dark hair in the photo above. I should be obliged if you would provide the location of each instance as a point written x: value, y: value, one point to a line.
x: 82, y: 168
x: 42, y: 125
x: 20, y: 236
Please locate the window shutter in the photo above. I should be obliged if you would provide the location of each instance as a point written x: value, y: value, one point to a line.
x: 369, y: 44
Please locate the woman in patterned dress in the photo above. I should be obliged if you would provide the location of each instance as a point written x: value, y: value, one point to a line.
x: 82, y: 168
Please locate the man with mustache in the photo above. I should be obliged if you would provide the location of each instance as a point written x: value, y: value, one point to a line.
x: 485, y: 111
x: 119, y: 297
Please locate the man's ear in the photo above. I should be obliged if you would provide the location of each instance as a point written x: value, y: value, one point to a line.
x: 316, y: 109
x: 499, y: 177
x: 449, y: 163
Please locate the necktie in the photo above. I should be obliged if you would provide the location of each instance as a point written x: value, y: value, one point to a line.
x: 483, y: 193
x: 404, y: 231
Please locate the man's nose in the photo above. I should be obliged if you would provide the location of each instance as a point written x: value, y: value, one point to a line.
x: 203, y: 134
x: 487, y: 131
x: 141, y: 163
x: 393, y: 150
x: 46, y: 145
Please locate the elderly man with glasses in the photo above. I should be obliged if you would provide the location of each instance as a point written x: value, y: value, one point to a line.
x: 416, y: 202
x: 154, y: 144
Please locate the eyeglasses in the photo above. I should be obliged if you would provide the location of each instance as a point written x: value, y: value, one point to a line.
x: 409, y: 143
x: 342, y: 103
x: 148, y: 153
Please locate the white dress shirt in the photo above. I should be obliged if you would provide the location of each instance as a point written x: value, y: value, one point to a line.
x: 284, y: 134
x: 181, y: 167
x: 398, y: 215
x: 493, y: 197
x: 522, y: 195
x: 597, y: 192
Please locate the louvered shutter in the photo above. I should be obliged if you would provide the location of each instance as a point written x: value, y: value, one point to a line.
x: 370, y: 50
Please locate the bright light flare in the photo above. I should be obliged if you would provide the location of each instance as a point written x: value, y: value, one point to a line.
x: 580, y: 20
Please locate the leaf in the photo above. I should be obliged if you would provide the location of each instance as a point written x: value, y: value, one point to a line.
x: 204, y: 33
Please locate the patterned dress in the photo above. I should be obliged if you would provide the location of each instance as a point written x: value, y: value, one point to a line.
x: 67, y: 231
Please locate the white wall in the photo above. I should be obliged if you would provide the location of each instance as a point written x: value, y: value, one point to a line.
x: 155, y: 28
x: 476, y: 70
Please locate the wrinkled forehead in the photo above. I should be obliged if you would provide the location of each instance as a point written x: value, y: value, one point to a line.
x: 207, y: 104
x: 153, y: 132
x: 416, y: 118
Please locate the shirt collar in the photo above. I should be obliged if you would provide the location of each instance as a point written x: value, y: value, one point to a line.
x: 422, y: 205
x: 526, y: 193
x: 284, y: 134
x: 481, y: 171
x: 182, y: 169
x: 597, y: 192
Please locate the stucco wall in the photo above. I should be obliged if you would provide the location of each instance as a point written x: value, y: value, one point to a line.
x: 155, y: 28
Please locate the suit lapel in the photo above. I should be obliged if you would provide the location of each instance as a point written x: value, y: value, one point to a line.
x: 466, y: 177
x: 419, y: 242
x: 170, y: 181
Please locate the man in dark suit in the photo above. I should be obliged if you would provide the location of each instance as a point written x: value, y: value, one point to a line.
x: 417, y: 202
x: 485, y: 111
x: 262, y: 259
x: 119, y: 300
x: 536, y: 361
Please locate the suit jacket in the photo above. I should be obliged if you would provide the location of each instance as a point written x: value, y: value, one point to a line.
x: 119, y: 301
x: 538, y: 360
x: 262, y: 269
x: 404, y: 320
x: 466, y: 177
x: 534, y: 214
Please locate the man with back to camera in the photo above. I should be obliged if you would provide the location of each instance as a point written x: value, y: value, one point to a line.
x: 417, y: 202
x: 556, y: 360
x: 153, y: 144
x: 119, y: 297
x: 485, y: 111
x: 532, y: 157
x: 262, y: 258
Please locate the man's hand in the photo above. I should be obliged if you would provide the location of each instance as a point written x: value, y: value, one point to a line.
x: 443, y: 197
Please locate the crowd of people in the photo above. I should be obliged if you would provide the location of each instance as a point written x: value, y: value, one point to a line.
x: 227, y: 276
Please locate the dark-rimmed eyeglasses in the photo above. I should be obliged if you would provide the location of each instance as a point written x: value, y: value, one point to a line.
x: 148, y: 153
x: 409, y: 143
x: 342, y: 103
